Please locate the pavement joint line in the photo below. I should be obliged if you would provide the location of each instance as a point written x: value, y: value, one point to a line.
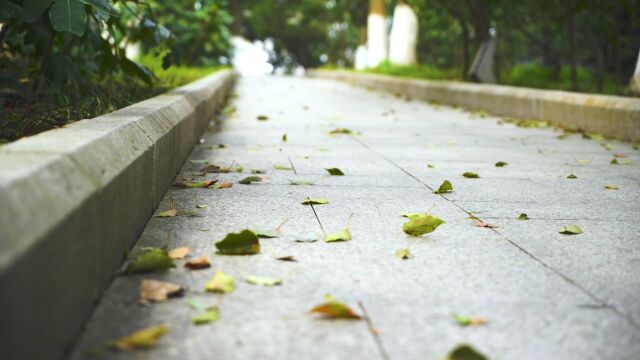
x: 566, y: 278
x: 560, y: 193
x: 374, y: 332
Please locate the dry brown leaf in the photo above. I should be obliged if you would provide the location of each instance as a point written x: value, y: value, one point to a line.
x: 198, y: 263
x: 155, y: 290
x: 225, y: 185
x: 179, y: 253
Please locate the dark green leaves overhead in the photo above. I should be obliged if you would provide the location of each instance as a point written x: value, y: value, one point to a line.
x: 32, y: 9
x: 69, y: 16
x: 243, y: 243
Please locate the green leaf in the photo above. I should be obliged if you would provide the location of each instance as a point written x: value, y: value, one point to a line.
x: 267, y: 234
x: 68, y: 15
x: 615, y: 161
x: 301, y: 182
x: 284, y: 137
x: 250, y: 179
x: 315, y: 201
x: 262, y: 117
x: 264, y: 281
x: 102, y: 5
x: 470, y: 175
x: 501, y: 164
x: 403, y: 254
x: 132, y: 68
x: 611, y: 187
x: 33, y: 9
x: 282, y: 167
x: 335, y: 171
x: 571, y: 176
x: 344, y: 131
x: 141, y: 339
x: 571, y: 230
x: 258, y: 171
x: 465, y: 352
x: 446, y: 187
x: 332, y: 309
x: 151, y: 259
x: 220, y: 282
x: 167, y: 213
x: 343, y: 235
x: 430, y: 166
x: 8, y: 11
x: 206, y: 317
x: 522, y: 216
x: 420, y: 225
x: 194, y: 185
x: 465, y: 321
x: 242, y: 243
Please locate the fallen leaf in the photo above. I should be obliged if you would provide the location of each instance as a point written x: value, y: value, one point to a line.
x: 482, y: 224
x: 284, y: 137
x: 167, y: 213
x: 571, y: 230
x: 620, y: 155
x: 141, y: 339
x: 340, y: 131
x: 571, y: 176
x: 403, y: 254
x: 335, y: 171
x: 584, y: 161
x: 615, y: 161
x: 212, y: 168
x: 287, y: 258
x: 315, y: 201
x: 224, y: 185
x: 501, y: 164
x: 445, y: 187
x: 465, y: 352
x: 343, y: 235
x: 179, y: 253
x: 151, y: 259
x: 611, y: 187
x: 301, y: 182
x: 258, y: 171
x: 470, y: 175
x: 194, y: 185
x: 250, y: 179
x: 332, y: 309
x: 468, y: 320
x: 206, y: 317
x: 154, y: 290
x: 201, y: 206
x: 220, y: 282
x: 430, y: 166
x: 264, y: 281
x: 242, y: 243
x: 422, y: 224
x: 201, y: 262
x: 282, y: 167
x: 267, y: 234
x: 522, y: 216
x: 262, y: 117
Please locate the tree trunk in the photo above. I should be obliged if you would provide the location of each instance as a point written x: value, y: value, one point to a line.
x: 236, y: 9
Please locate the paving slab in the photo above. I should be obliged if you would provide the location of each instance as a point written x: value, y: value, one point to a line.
x: 544, y: 295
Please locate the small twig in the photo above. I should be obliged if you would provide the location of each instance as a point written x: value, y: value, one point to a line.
x: 317, y: 218
x: 284, y: 222
x: 374, y: 332
x: 292, y: 167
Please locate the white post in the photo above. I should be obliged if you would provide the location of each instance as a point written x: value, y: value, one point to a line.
x: 376, y: 34
x: 635, y: 79
x: 404, y: 35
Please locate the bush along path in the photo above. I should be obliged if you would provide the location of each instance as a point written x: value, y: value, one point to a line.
x: 316, y: 220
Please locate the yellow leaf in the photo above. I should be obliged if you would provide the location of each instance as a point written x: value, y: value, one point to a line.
x: 141, y: 339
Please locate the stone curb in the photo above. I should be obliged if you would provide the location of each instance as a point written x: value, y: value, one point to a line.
x: 75, y: 199
x: 612, y: 116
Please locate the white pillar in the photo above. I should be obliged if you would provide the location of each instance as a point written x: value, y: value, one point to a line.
x: 376, y: 34
x: 404, y: 36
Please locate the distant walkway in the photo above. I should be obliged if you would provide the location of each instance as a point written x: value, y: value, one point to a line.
x: 544, y: 295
